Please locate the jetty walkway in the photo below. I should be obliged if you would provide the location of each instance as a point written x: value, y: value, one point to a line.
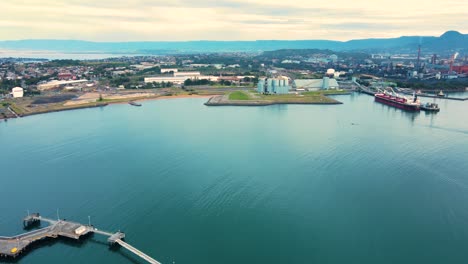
x: 14, y: 246
x: 440, y: 97
x: 368, y: 91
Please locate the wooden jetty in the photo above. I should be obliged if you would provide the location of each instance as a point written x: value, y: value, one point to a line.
x: 14, y: 246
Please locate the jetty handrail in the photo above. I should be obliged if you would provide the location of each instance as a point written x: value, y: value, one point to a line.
x: 97, y: 231
x: 50, y: 221
x: 26, y: 234
x: 137, y: 252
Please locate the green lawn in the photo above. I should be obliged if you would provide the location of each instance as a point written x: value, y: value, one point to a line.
x: 238, y: 95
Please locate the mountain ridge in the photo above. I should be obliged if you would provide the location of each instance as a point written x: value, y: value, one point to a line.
x: 450, y: 40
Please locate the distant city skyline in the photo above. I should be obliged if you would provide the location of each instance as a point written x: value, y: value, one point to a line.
x: 184, y: 20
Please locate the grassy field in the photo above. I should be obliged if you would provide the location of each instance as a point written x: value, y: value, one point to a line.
x: 18, y: 110
x: 238, y: 95
x: 255, y: 99
x: 205, y: 92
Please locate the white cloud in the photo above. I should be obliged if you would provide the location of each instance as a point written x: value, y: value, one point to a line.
x: 113, y: 20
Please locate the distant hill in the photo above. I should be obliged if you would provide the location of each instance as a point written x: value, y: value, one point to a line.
x: 290, y: 53
x: 451, y: 40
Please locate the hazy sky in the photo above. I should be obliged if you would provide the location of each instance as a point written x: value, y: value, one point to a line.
x: 115, y: 20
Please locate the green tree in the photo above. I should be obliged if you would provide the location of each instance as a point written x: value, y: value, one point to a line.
x: 188, y: 82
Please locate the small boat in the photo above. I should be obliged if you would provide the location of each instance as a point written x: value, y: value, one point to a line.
x: 133, y: 103
x: 430, y: 107
x: 441, y: 94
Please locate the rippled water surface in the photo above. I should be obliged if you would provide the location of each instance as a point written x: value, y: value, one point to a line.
x: 354, y: 183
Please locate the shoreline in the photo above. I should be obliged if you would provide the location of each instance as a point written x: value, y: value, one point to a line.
x: 181, y: 96
x: 64, y: 109
x: 159, y: 97
x: 163, y: 97
x: 265, y: 103
x: 106, y: 103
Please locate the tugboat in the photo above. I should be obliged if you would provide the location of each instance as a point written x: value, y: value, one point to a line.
x: 430, y: 107
x: 441, y: 94
x: 133, y: 103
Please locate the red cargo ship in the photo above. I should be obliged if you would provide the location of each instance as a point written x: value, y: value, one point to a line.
x: 398, y: 101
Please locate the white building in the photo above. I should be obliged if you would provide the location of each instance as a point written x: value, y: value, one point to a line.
x: 330, y: 72
x: 199, y: 65
x: 17, y: 92
x: 179, y: 79
x: 315, y: 84
x: 187, y: 74
x: 169, y: 70
x: 176, y: 80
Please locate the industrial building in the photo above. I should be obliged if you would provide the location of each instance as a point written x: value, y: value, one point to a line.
x: 17, y: 92
x: 187, y: 74
x: 460, y: 69
x: 57, y: 84
x: 278, y: 85
x: 179, y: 79
x: 315, y: 84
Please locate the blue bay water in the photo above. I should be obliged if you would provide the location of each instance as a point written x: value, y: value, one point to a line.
x: 354, y: 183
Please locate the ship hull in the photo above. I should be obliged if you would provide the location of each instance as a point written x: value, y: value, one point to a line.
x: 406, y: 107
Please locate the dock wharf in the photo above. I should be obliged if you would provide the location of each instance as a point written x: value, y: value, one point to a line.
x: 15, y: 245
x: 441, y: 97
x: 366, y: 90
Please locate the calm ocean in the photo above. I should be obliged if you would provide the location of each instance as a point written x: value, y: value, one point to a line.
x: 354, y: 183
